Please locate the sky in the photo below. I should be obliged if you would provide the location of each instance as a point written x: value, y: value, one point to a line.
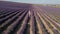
x: 36, y: 1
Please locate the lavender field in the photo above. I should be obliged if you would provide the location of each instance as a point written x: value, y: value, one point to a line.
x: 22, y: 18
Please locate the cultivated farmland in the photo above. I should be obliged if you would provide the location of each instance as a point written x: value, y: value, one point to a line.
x: 21, y: 18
